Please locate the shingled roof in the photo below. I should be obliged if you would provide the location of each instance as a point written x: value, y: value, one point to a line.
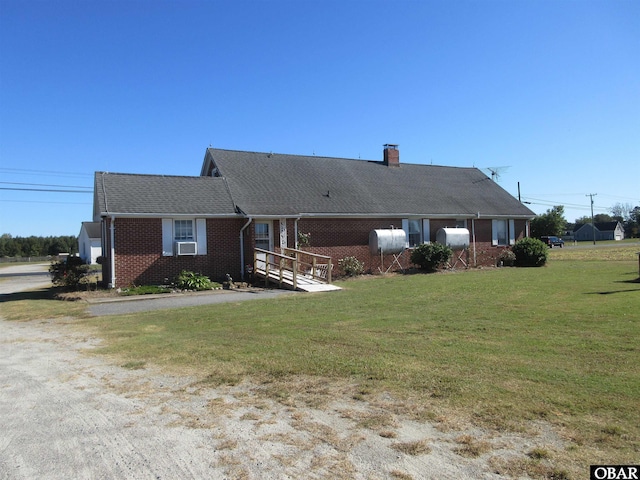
x: 266, y: 184
x: 156, y: 195
x: 93, y: 229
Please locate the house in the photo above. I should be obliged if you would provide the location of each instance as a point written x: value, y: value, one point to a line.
x: 154, y: 226
x: 89, y: 242
x: 602, y: 231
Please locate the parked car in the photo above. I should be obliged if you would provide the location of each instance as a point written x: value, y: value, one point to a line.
x: 553, y: 241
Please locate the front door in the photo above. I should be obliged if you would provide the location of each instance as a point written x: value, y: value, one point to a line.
x: 264, y: 241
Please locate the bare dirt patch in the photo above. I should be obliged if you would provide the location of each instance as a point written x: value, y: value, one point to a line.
x: 67, y: 412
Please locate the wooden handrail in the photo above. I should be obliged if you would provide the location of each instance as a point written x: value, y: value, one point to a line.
x: 281, y: 265
x: 315, y: 267
x: 318, y: 270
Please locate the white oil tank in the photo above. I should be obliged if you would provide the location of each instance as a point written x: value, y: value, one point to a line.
x: 455, y: 238
x: 387, y: 241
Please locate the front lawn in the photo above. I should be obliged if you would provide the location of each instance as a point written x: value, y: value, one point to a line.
x: 499, y: 348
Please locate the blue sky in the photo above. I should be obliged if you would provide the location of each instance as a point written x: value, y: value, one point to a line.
x: 550, y: 89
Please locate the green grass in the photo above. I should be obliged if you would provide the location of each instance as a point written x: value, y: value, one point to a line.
x: 499, y: 348
x: 146, y: 290
x: 39, y: 304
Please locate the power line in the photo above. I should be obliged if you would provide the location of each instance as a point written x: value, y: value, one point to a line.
x: 44, y: 185
x: 537, y: 201
x: 581, y: 194
x: 47, y: 203
x: 44, y: 190
x: 26, y: 171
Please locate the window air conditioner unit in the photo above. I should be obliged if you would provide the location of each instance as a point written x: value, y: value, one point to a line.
x: 186, y: 248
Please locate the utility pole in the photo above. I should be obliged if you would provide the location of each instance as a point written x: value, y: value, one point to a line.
x: 593, y: 225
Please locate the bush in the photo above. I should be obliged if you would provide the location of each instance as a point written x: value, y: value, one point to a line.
x: 193, y: 281
x: 352, y: 266
x: 506, y: 258
x: 69, y: 272
x: 430, y: 256
x: 530, y: 252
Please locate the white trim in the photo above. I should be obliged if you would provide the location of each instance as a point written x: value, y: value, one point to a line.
x: 283, y: 233
x: 512, y: 231
x: 201, y: 235
x: 171, y: 215
x: 112, y: 227
x: 404, y: 215
x: 167, y: 237
x: 426, y: 231
x: 405, y: 227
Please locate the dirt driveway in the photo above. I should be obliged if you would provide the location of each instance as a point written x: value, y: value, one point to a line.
x: 16, y: 278
x: 67, y: 413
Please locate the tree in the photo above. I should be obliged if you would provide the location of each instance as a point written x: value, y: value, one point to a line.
x: 621, y: 211
x: 550, y: 223
x: 628, y: 215
x: 632, y: 225
x: 36, y: 246
x: 597, y: 218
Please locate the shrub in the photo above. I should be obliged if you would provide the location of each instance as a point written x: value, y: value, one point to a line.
x: 193, y: 281
x: 430, y: 256
x: 507, y: 258
x: 530, y: 252
x: 69, y: 272
x: 304, y: 239
x: 352, y: 266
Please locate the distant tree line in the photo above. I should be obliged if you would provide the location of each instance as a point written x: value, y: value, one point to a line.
x: 553, y: 222
x: 37, y: 246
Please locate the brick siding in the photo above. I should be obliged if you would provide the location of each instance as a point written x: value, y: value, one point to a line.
x: 339, y: 238
x: 139, y: 257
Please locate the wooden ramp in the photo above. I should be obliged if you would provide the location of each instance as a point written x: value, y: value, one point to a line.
x: 304, y: 282
x: 290, y: 270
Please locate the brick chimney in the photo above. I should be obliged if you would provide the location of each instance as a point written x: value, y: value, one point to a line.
x: 391, y: 155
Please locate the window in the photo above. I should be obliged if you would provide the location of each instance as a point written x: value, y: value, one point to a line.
x: 461, y: 223
x: 502, y: 232
x: 263, y: 239
x: 183, y: 231
x: 417, y: 230
x: 414, y: 234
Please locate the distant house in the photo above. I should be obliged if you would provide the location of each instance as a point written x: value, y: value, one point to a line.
x: 154, y: 226
x: 603, y: 231
x: 89, y: 242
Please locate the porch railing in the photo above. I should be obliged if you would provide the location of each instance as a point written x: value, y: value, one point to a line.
x: 317, y: 266
x: 286, y: 267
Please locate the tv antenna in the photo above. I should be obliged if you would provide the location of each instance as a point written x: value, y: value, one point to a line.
x: 495, y: 172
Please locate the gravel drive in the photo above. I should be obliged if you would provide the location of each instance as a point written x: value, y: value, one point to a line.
x: 17, y: 278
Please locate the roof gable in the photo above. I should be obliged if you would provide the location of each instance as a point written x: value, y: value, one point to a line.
x: 92, y: 229
x: 600, y: 226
